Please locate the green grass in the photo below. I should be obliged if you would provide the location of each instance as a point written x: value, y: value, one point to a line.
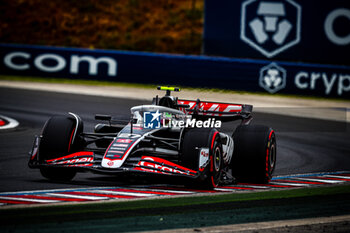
x: 157, y: 206
x: 152, y: 86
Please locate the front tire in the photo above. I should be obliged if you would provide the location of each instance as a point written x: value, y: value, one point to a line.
x: 60, y: 137
x: 193, y: 141
x: 254, y: 156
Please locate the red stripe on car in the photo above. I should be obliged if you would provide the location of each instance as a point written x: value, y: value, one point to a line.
x: 213, y: 139
x: 77, y: 154
x: 70, y: 140
x: 267, y: 157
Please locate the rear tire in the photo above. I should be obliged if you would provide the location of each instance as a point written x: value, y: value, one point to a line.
x: 254, y: 156
x: 60, y: 137
x: 193, y: 140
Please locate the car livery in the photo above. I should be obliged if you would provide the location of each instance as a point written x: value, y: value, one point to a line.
x: 203, y: 156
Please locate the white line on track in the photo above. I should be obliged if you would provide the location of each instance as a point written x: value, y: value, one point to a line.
x: 320, y: 180
x: 290, y: 184
x: 291, y: 176
x: 339, y: 177
x: 77, y: 196
x: 253, y: 186
x: 126, y: 193
x: 228, y: 190
x: 167, y: 191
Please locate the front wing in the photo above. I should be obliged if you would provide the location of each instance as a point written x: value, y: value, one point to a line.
x: 87, y: 160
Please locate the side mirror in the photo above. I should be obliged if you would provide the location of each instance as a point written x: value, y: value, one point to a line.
x: 103, y: 117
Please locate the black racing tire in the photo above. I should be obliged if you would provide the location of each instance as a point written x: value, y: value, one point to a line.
x: 57, y: 141
x: 203, y: 138
x: 254, y: 156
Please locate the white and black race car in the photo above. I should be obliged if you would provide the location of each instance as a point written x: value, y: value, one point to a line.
x: 170, y: 137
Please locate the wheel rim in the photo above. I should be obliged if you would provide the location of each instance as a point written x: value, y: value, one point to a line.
x: 217, y: 159
x: 272, y: 157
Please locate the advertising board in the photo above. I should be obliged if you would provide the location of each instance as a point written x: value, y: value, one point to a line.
x: 314, y: 31
x: 193, y: 71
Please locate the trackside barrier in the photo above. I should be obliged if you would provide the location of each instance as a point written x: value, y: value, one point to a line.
x: 183, y: 70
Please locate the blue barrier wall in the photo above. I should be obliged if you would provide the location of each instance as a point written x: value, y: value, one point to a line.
x: 195, y: 71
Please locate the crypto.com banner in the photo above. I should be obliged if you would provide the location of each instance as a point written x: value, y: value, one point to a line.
x: 165, y: 69
x: 316, y: 31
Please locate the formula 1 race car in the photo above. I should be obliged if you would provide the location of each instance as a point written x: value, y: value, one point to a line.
x: 170, y: 137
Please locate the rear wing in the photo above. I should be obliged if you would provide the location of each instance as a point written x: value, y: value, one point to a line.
x: 222, y: 111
